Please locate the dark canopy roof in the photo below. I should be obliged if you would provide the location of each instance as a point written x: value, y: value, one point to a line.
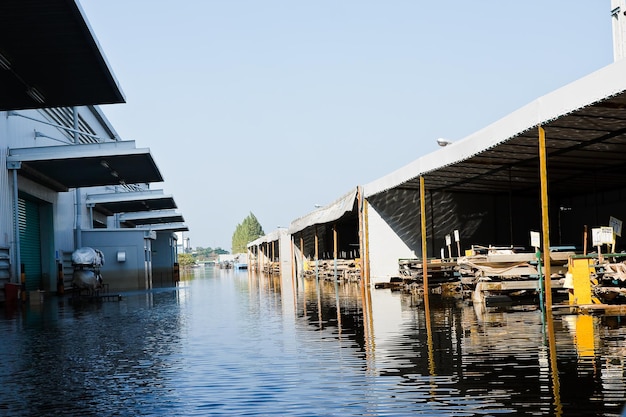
x: 165, y: 227
x: 48, y: 45
x: 88, y: 165
x: 131, y: 201
x: 151, y: 217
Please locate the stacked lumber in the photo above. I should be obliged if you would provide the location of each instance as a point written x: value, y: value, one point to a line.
x: 346, y: 269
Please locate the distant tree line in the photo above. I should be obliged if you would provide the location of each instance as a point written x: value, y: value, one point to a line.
x: 207, y: 254
x: 245, y: 232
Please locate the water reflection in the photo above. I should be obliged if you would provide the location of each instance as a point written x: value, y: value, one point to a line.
x: 506, y: 360
x: 86, y: 358
x: 232, y: 343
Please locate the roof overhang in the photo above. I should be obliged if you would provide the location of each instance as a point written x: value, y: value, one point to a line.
x: 151, y: 217
x: 273, y: 236
x: 87, y: 165
x: 585, y: 125
x: 48, y: 46
x: 326, y: 214
x: 130, y: 201
x: 165, y: 227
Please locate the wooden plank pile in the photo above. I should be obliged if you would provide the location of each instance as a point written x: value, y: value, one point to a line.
x: 347, y: 269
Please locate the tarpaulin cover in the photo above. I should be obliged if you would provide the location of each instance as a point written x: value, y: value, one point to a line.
x: 327, y: 214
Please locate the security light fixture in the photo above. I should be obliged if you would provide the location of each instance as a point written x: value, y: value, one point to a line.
x: 443, y: 142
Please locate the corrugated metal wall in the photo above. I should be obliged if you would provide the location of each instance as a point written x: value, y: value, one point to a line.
x: 30, y: 243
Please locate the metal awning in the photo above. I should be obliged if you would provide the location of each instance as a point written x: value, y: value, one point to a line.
x: 151, y: 217
x: 165, y: 227
x: 85, y: 165
x: 49, y: 57
x: 130, y: 201
x: 585, y: 125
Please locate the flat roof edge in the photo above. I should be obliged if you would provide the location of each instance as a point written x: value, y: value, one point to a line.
x: 598, y: 86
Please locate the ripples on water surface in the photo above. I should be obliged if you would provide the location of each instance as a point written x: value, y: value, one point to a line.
x: 221, y: 344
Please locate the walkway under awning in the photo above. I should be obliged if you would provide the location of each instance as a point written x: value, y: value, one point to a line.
x: 130, y: 201
x: 49, y: 57
x: 96, y: 164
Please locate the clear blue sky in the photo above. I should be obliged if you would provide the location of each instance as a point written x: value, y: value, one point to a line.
x: 272, y: 106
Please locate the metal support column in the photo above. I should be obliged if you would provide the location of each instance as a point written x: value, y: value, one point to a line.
x: 16, y: 226
x: 545, y: 221
x: 335, y: 248
x: 317, y: 272
x: 423, y: 225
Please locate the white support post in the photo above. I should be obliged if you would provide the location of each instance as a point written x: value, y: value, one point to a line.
x: 618, y: 19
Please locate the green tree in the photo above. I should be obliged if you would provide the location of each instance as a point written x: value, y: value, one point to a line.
x: 245, y: 232
x: 185, y: 260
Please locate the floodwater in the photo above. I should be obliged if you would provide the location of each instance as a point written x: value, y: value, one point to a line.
x: 226, y: 344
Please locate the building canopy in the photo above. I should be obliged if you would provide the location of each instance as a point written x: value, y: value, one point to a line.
x: 130, y: 201
x: 85, y: 165
x: 151, y: 217
x: 326, y: 214
x: 49, y: 57
x: 585, y: 125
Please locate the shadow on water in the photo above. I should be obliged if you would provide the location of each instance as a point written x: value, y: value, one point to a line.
x: 230, y: 342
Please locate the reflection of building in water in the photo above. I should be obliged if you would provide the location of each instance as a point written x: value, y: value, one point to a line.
x: 500, y: 355
x: 612, y: 331
x: 504, y: 359
x: 333, y: 307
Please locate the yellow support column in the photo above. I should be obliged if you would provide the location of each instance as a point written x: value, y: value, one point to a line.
x: 429, y: 333
x: 363, y: 259
x: 302, y: 254
x: 423, y: 225
x: 543, y: 170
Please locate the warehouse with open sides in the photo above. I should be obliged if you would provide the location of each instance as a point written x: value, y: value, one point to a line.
x: 522, y: 198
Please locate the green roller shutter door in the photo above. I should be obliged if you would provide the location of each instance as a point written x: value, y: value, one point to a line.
x: 30, y: 243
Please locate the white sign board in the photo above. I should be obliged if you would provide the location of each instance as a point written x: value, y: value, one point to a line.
x: 448, y: 240
x: 602, y: 235
x: 457, y: 238
x: 535, y: 239
x: 616, y: 224
x: 596, y: 237
x: 607, y: 235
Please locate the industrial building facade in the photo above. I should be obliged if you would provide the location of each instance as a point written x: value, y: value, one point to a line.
x: 67, y: 179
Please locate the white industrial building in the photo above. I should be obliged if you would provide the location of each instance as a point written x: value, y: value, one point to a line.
x: 68, y: 180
